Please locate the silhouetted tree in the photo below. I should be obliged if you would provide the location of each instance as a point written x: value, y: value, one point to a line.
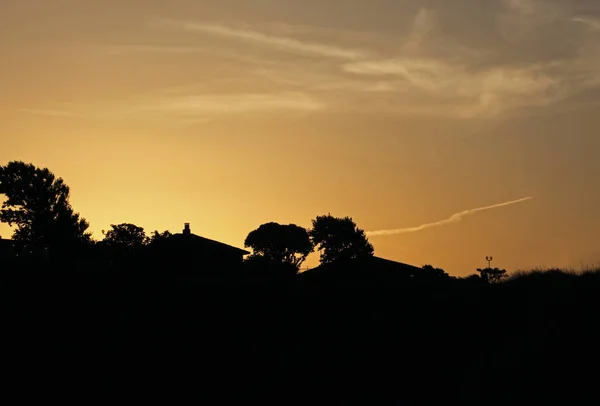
x: 492, y: 275
x: 38, y: 205
x: 123, y: 245
x: 430, y: 272
x: 157, y: 237
x: 282, y: 244
x: 339, y: 239
x: 125, y: 235
x: 159, y: 251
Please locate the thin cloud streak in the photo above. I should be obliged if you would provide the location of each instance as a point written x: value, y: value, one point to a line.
x: 123, y: 49
x: 455, y: 218
x: 51, y: 113
x: 592, y: 24
x: 424, y: 22
x: 521, y: 6
x: 235, y: 103
x: 282, y: 43
x: 195, y: 108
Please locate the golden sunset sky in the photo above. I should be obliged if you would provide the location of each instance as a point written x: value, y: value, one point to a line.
x: 399, y: 113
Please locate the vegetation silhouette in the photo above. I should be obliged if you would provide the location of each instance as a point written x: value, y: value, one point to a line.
x: 492, y: 275
x: 339, y: 239
x: 187, y: 314
x: 286, y: 245
x: 37, y: 205
x: 125, y: 235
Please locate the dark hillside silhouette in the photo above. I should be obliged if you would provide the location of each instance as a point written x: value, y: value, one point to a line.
x: 190, y: 316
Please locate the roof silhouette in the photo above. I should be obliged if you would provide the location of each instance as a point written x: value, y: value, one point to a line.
x: 361, y: 271
x: 187, y: 237
x: 376, y: 262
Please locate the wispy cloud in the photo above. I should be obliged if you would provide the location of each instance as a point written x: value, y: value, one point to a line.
x: 424, y: 22
x: 484, y: 93
x: 592, y: 23
x: 51, y: 113
x: 421, y: 69
x: 450, y: 87
x: 193, y: 108
x: 277, y: 42
x: 184, y: 50
x: 455, y: 218
x: 233, y: 103
x: 424, y: 73
x: 122, y: 49
x: 521, y: 6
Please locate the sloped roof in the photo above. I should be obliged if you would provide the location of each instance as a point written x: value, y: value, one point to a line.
x: 206, y: 242
x: 376, y: 262
x: 396, y: 265
x: 370, y: 268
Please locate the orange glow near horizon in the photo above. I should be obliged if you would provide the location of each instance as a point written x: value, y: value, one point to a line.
x: 231, y: 114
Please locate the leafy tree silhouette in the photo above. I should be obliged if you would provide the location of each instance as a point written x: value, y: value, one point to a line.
x: 339, y: 239
x: 281, y: 244
x: 38, y: 205
x: 157, y: 237
x: 492, y: 275
x: 126, y: 235
x: 429, y: 272
x: 471, y: 278
x: 123, y: 244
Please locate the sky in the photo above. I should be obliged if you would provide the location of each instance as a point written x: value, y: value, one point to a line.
x: 448, y: 130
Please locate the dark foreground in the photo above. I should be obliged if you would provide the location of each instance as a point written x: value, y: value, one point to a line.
x: 137, y: 336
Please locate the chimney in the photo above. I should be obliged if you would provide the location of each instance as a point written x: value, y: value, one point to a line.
x: 186, y: 229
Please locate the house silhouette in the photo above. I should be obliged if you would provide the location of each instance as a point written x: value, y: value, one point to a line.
x: 371, y: 270
x: 12, y: 251
x: 191, y: 252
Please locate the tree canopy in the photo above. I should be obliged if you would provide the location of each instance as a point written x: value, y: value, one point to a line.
x: 284, y: 244
x: 125, y: 235
x: 429, y: 271
x: 339, y: 239
x: 37, y: 204
x: 158, y: 237
x: 492, y: 275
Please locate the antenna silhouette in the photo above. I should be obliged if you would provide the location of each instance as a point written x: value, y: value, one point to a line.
x: 489, y: 261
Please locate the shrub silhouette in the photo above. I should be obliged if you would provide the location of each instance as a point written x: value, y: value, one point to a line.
x: 492, y: 275
x: 431, y: 273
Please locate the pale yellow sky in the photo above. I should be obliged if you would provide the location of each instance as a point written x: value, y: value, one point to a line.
x: 228, y: 114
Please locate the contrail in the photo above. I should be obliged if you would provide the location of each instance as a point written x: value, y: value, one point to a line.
x: 455, y: 218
